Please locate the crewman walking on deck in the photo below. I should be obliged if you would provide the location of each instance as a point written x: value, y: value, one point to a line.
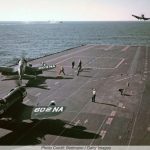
x: 79, y: 67
x: 62, y: 70
x: 93, y: 95
x: 43, y: 64
x: 121, y: 91
x: 73, y: 64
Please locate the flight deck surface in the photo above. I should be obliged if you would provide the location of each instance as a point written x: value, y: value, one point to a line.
x: 114, y: 119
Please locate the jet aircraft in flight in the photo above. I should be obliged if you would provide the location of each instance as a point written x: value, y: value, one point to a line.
x: 142, y: 17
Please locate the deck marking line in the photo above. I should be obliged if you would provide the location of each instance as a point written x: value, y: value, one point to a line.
x: 109, y: 120
x: 124, y: 49
x: 103, y: 133
x: 56, y: 83
x: 113, y: 113
x: 26, y: 100
x: 86, y: 121
x: 120, y: 105
x: 119, y: 63
x: 77, y: 122
x: 138, y: 111
x: 38, y: 94
x: 63, y: 60
x: 110, y: 47
x: 98, y: 130
x: 123, y: 79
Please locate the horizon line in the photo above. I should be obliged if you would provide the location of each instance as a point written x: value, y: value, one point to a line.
x: 65, y: 20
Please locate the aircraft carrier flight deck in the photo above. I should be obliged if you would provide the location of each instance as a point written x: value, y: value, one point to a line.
x: 115, y: 118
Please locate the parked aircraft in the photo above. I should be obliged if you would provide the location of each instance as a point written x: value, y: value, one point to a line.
x: 24, y: 71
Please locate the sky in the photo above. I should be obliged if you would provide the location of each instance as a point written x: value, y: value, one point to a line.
x: 72, y: 10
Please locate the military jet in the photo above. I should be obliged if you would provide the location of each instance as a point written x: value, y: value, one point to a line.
x: 142, y: 17
x: 13, y: 97
x: 12, y: 106
x: 25, y: 71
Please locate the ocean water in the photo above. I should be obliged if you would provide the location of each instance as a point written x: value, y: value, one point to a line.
x: 36, y: 39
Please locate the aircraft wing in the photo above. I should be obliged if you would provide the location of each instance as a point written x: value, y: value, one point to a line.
x: 137, y: 17
x: 15, y: 77
x: 146, y: 18
x: 31, y: 71
x: 8, y: 70
x: 46, y: 67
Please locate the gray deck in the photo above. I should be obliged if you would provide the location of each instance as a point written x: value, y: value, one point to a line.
x: 113, y: 120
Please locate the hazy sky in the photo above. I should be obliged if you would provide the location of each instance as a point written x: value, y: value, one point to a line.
x: 72, y: 10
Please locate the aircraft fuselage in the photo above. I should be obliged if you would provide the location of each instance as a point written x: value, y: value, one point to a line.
x: 13, y: 97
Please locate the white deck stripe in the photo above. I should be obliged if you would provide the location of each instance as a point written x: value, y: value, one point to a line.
x: 38, y: 94
x: 99, y: 130
x: 113, y: 113
x: 120, y: 105
x: 124, y: 49
x: 103, y: 133
x: 63, y: 60
x: 119, y: 63
x: 26, y: 100
x: 110, y: 47
x: 86, y: 121
x: 123, y: 79
x: 77, y: 122
x: 109, y: 120
x: 56, y: 83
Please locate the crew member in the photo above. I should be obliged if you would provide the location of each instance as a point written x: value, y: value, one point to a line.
x: 73, y: 64
x: 62, y: 70
x: 79, y: 67
x: 43, y: 64
x: 93, y: 95
x: 121, y: 91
